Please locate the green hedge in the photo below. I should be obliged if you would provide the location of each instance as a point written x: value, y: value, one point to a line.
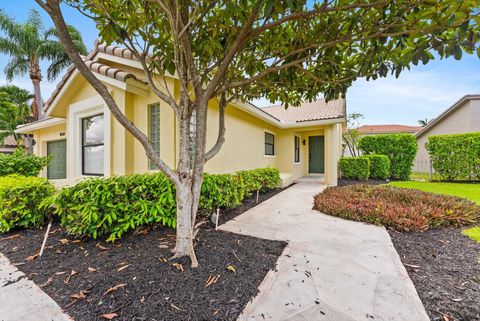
x: 379, y: 166
x: 21, y: 163
x: 401, y: 149
x: 259, y: 179
x: 113, y: 206
x: 355, y: 167
x: 455, y: 156
x: 20, y: 199
x: 221, y: 190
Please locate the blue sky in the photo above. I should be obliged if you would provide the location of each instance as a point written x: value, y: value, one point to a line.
x: 423, y: 92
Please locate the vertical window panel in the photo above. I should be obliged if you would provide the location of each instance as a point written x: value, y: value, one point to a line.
x: 269, y: 144
x: 93, y: 145
x: 154, y: 130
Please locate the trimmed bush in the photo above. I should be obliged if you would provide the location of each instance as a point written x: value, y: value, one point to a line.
x: 402, y: 209
x: 259, y: 179
x: 455, y: 156
x: 379, y: 166
x: 221, y: 190
x: 20, y: 199
x: 22, y: 163
x: 115, y: 205
x: 401, y: 149
x: 355, y: 167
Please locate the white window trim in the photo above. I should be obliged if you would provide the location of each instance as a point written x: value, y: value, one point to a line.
x: 274, y: 144
x: 77, y: 111
x: 299, y: 151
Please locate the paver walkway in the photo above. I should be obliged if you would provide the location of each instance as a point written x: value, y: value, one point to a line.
x: 332, y: 269
x: 23, y: 300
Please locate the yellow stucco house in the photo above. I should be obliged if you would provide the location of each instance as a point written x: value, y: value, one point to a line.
x: 84, y: 140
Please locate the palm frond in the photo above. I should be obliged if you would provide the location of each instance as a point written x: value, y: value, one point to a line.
x: 17, y: 66
x: 9, y: 47
x: 12, y: 29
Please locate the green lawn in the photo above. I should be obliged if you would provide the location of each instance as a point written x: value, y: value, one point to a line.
x: 469, y: 191
x: 473, y: 233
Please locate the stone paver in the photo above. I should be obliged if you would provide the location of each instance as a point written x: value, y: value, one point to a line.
x: 332, y: 269
x: 22, y: 300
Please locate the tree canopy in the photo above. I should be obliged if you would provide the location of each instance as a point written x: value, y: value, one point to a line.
x: 14, y: 110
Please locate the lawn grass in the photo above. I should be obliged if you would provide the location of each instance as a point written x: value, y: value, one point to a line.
x: 473, y: 233
x: 468, y: 191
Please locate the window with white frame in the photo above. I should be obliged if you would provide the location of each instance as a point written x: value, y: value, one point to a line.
x: 193, y: 131
x: 269, y: 144
x: 93, y: 145
x: 154, y: 130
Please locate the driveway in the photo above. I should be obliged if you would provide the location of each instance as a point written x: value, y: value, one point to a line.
x: 332, y: 269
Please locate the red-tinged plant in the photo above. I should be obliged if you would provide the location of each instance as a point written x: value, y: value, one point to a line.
x: 398, y: 208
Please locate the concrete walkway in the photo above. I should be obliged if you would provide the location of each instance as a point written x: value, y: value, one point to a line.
x: 22, y: 300
x: 332, y: 269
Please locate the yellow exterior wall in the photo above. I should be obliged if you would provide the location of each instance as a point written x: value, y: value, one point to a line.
x: 244, y: 139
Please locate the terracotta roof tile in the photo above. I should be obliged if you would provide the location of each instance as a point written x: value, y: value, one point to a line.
x: 97, y: 68
x: 315, y: 110
x: 388, y: 129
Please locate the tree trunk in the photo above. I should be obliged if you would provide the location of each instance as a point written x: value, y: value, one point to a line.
x: 36, y: 77
x: 184, y: 242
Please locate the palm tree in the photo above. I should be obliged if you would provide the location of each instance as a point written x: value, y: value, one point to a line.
x: 14, y: 111
x: 423, y: 122
x: 27, y: 44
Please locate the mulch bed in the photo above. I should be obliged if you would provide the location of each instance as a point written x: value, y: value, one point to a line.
x: 444, y: 267
x: 348, y: 182
x: 248, y: 203
x: 133, y: 279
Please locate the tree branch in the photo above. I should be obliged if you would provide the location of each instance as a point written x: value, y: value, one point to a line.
x: 221, y: 129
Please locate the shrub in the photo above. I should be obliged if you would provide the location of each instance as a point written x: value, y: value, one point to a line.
x: 379, y: 166
x: 113, y: 206
x: 455, y: 156
x: 402, y: 209
x: 221, y: 190
x: 20, y: 199
x: 355, y: 167
x: 259, y: 179
x: 401, y: 149
x: 21, y: 163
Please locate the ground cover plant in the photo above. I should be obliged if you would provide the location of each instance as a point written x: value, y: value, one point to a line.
x: 398, y: 208
x: 20, y: 200
x: 465, y: 190
x: 401, y: 149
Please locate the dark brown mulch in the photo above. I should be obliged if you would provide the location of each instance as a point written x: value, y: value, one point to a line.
x: 248, y: 203
x: 134, y: 278
x: 348, y: 182
x: 444, y: 267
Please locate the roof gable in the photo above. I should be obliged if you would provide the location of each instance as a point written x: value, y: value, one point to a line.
x: 457, y: 105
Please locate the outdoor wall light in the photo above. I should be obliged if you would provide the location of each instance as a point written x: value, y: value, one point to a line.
x: 303, y: 142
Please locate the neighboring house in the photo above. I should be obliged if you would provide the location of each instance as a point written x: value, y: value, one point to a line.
x: 462, y: 117
x: 388, y: 129
x: 8, y: 145
x: 383, y: 129
x: 85, y: 140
